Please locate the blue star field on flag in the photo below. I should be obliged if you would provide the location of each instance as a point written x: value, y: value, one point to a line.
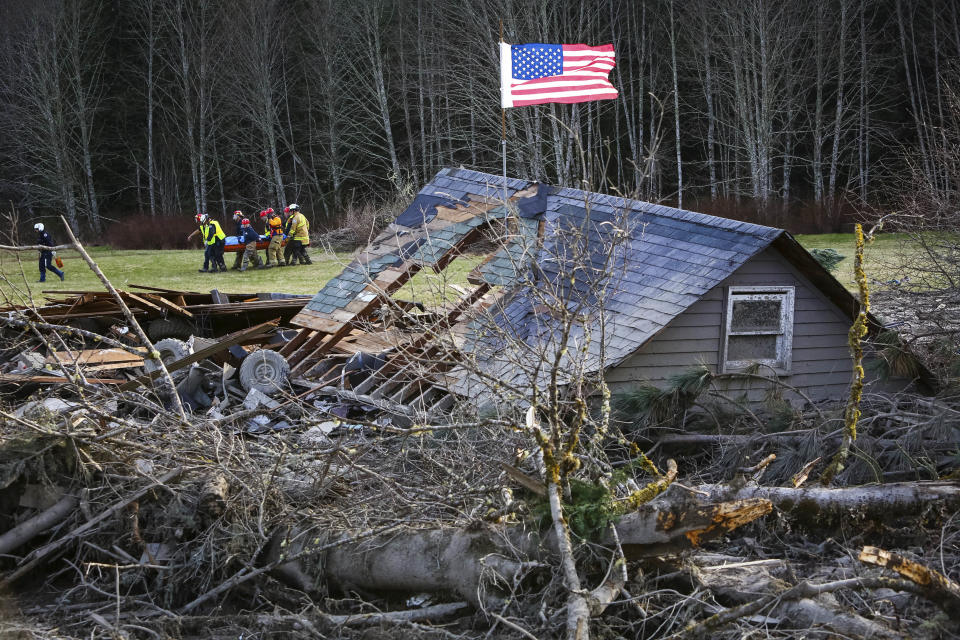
x: 532, y: 61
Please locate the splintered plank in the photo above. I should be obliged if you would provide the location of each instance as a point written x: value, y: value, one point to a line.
x: 132, y: 297
x: 937, y: 586
x: 169, y: 306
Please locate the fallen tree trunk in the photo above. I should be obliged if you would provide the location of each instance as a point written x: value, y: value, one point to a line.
x: 686, y: 440
x: 29, y: 529
x: 878, y: 502
x: 466, y: 561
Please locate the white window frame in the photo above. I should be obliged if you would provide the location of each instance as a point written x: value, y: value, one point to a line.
x: 784, y: 360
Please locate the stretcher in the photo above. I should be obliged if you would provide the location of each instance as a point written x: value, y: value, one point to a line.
x: 234, y: 245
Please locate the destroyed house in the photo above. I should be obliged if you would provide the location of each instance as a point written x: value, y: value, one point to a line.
x: 654, y: 291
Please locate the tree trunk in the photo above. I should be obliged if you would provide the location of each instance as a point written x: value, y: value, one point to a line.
x: 676, y: 107
x: 838, y: 115
x: 151, y: 172
x: 711, y: 118
x: 817, y: 504
x: 457, y: 560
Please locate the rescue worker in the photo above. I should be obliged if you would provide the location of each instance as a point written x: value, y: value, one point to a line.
x: 299, y: 234
x: 238, y: 231
x: 46, y: 256
x: 214, y: 239
x: 274, y: 229
x: 288, y: 257
x: 250, y: 238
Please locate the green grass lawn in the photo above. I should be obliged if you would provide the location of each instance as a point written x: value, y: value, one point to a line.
x: 178, y: 270
x: 167, y: 269
x: 880, y: 256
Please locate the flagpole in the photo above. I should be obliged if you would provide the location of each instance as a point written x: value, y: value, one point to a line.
x: 503, y: 135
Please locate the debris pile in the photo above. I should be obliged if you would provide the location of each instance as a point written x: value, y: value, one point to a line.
x: 165, y: 313
x: 299, y: 504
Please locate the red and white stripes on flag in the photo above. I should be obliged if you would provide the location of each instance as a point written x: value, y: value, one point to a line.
x: 540, y: 73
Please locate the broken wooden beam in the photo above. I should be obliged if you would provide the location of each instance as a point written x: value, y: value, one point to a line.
x: 168, y: 305
x: 138, y: 300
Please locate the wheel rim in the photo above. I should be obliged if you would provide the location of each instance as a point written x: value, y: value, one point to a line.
x: 265, y: 372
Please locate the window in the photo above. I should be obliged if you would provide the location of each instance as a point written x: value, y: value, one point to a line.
x: 759, y: 328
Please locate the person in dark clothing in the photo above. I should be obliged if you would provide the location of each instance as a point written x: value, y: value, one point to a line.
x: 46, y: 257
x: 238, y: 231
x: 214, y: 241
x: 250, y: 238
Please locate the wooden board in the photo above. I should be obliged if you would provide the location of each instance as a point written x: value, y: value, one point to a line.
x: 98, y: 356
x: 169, y: 306
x: 20, y: 379
x: 128, y: 297
x: 310, y: 319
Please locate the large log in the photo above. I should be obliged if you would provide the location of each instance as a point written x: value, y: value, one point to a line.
x: 29, y: 529
x: 876, y: 502
x: 467, y: 561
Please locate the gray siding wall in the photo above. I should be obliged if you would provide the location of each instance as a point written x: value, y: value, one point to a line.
x: 821, y: 358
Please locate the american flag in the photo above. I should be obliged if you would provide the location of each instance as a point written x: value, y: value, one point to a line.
x: 540, y: 73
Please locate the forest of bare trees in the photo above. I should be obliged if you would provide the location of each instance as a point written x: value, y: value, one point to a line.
x: 792, y: 112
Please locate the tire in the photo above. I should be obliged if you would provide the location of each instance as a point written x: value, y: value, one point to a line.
x: 264, y: 370
x: 169, y: 328
x: 170, y: 350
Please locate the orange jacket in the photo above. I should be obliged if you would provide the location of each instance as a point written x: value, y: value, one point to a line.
x: 274, y: 226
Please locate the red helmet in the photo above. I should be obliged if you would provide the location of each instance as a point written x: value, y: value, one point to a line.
x: 286, y: 209
x: 270, y: 210
x: 199, y: 218
x: 263, y: 214
x: 245, y: 222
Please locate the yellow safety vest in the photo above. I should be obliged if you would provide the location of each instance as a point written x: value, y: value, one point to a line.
x: 216, y: 234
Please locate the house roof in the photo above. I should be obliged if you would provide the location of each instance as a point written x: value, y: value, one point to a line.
x: 666, y: 258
